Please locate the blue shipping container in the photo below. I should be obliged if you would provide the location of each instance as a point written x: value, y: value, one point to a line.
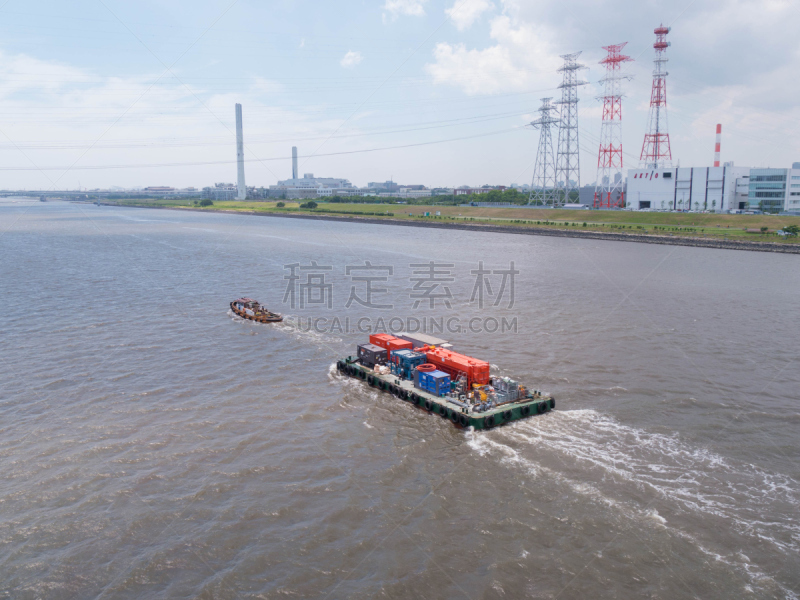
x: 434, y: 382
x: 438, y: 383
x: 408, y: 359
x: 421, y: 380
x: 406, y: 362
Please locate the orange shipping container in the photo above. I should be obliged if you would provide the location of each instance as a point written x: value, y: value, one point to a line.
x: 389, y: 342
x: 453, y: 363
x: 381, y: 339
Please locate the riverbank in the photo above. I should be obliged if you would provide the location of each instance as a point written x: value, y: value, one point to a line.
x: 642, y: 235
x: 597, y: 235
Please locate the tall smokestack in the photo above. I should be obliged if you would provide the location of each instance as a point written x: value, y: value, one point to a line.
x: 242, y: 191
x: 294, y: 162
x: 716, y: 148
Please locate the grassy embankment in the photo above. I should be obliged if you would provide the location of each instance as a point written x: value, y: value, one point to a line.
x: 713, y: 226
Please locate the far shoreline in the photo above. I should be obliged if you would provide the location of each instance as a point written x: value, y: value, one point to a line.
x: 670, y: 240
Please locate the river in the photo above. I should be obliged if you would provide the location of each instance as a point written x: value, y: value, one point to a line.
x: 154, y: 445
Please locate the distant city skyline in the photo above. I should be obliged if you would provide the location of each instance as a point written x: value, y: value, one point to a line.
x: 421, y: 91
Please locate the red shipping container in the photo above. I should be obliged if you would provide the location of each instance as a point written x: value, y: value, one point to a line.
x: 454, y: 364
x: 381, y: 339
x: 389, y: 342
x: 398, y: 344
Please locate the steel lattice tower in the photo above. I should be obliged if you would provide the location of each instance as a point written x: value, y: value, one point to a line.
x: 543, y: 187
x: 656, y: 152
x: 568, y: 158
x: 608, y: 189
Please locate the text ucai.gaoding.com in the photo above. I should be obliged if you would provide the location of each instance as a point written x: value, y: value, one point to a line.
x: 427, y: 325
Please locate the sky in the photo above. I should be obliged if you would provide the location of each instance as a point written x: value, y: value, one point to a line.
x: 102, y: 93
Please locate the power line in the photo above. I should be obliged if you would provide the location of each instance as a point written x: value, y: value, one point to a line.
x: 195, y: 142
x: 228, y: 162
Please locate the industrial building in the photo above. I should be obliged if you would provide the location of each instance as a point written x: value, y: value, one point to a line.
x: 386, y: 186
x: 221, y: 192
x: 775, y: 190
x: 309, y: 186
x: 689, y: 189
x: 308, y: 181
x: 720, y: 189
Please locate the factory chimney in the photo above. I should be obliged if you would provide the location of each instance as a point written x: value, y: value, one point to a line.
x: 242, y: 189
x: 716, y: 148
x: 294, y: 162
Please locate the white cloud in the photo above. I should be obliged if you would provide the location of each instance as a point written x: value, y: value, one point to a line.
x: 22, y: 73
x: 63, y: 114
x: 521, y: 54
x: 412, y: 8
x: 463, y: 14
x: 351, y: 59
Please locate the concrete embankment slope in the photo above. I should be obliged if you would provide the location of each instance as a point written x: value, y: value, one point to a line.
x: 595, y: 235
x: 521, y: 230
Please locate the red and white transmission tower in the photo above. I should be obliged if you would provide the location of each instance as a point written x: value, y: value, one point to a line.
x: 717, y: 145
x: 608, y: 189
x: 656, y: 152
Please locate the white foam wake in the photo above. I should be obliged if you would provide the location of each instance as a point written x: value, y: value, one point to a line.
x: 694, y: 478
x: 608, y: 457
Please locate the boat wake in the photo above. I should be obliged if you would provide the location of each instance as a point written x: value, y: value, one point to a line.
x: 617, y: 465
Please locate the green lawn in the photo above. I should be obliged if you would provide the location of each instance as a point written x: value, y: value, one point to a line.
x: 677, y: 224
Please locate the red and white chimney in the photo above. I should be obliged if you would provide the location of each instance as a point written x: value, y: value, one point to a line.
x: 716, y: 148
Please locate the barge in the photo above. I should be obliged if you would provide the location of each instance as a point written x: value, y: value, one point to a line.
x: 249, y: 309
x: 425, y: 372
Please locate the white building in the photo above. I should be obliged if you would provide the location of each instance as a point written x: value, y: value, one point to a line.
x: 309, y: 181
x: 724, y: 188
x: 686, y: 189
x: 221, y: 191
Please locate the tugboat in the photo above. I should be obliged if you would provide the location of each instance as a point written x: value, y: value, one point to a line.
x: 425, y: 371
x: 249, y: 309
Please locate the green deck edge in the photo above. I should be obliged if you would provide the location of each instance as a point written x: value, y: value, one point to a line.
x: 441, y: 407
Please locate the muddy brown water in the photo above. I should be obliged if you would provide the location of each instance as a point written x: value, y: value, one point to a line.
x: 153, y: 445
